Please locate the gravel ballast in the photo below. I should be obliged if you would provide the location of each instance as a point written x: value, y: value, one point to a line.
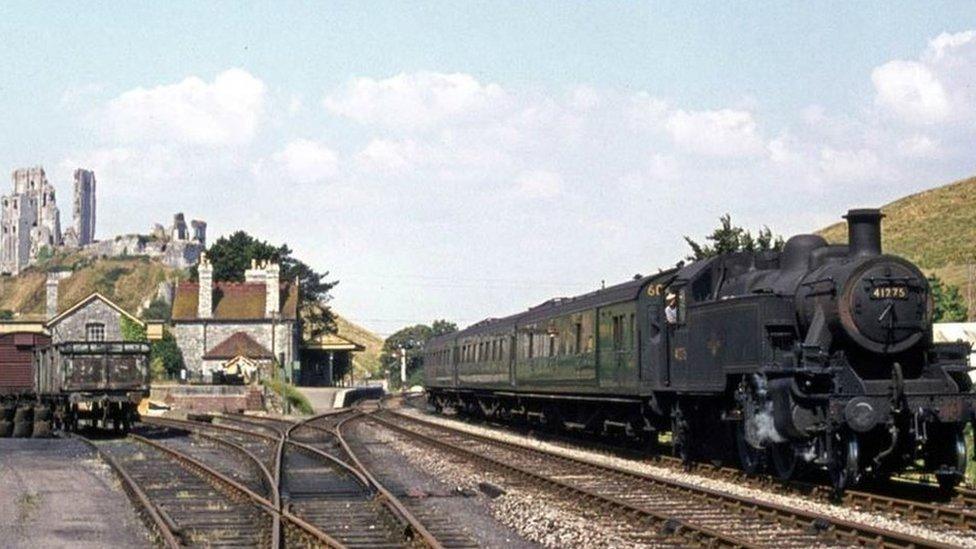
x: 603, y: 458
x: 533, y: 513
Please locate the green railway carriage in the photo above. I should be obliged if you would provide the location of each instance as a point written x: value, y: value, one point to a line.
x: 584, y: 348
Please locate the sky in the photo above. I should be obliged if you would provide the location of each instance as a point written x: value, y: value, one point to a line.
x: 462, y: 160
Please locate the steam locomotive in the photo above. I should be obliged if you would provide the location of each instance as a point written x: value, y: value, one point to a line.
x: 818, y: 356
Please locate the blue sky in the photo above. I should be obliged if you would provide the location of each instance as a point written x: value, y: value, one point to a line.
x: 463, y: 160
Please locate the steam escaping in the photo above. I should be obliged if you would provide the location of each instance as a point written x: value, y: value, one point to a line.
x: 760, y: 427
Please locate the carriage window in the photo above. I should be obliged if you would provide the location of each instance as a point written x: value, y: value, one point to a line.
x: 94, y: 331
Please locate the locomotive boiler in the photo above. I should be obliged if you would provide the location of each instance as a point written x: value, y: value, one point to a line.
x: 816, y: 356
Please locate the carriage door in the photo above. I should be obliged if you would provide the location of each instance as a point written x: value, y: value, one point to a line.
x: 654, y: 352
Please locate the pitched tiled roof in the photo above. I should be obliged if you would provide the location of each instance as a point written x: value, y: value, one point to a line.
x: 238, y: 344
x: 234, y: 301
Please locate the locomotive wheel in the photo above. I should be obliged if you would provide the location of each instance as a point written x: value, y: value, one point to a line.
x: 953, y: 457
x: 785, y: 461
x: 750, y: 458
x: 680, y: 436
x: 844, y: 467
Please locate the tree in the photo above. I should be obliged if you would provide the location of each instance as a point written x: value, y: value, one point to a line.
x: 949, y: 304
x: 412, y: 340
x: 158, y: 309
x: 232, y: 255
x: 728, y: 238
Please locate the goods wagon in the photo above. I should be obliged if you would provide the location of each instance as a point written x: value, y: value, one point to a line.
x: 17, y: 362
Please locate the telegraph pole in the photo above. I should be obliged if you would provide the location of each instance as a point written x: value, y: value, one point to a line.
x: 403, y: 368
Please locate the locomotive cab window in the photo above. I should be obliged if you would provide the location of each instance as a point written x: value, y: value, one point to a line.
x: 94, y: 331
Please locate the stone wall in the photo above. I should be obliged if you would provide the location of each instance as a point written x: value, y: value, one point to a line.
x: 209, y: 398
x: 72, y: 327
x: 196, y: 338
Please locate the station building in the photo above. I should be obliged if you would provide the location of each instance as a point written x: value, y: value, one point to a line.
x: 236, y: 326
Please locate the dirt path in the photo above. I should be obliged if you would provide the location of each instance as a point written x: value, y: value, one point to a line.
x: 56, y: 493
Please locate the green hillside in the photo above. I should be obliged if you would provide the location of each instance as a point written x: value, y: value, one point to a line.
x: 934, y: 228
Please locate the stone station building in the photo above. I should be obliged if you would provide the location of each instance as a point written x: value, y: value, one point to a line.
x: 221, y: 325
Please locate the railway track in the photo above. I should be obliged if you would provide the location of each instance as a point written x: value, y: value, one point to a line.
x: 317, y: 481
x: 706, y: 516
x: 188, y: 502
x: 900, y: 499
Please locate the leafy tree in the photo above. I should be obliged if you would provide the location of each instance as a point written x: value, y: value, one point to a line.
x: 949, y: 303
x: 412, y: 340
x: 6, y: 314
x: 158, y: 309
x: 442, y: 327
x: 728, y: 238
x: 232, y: 255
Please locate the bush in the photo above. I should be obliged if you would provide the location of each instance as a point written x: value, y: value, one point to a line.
x: 167, y: 353
x: 291, y: 395
x: 157, y: 369
x: 131, y: 330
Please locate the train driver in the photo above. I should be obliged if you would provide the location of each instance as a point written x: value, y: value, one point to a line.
x: 671, y: 308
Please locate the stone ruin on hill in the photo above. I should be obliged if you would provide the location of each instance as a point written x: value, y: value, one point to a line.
x: 30, y: 227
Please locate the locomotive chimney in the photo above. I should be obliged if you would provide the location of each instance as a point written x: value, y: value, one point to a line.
x: 864, y: 232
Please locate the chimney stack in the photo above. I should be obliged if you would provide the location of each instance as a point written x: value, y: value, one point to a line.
x: 51, y: 297
x: 272, y: 273
x: 205, y: 276
x: 864, y: 232
x: 255, y: 273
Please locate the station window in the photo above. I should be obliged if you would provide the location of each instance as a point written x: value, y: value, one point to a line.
x: 94, y: 331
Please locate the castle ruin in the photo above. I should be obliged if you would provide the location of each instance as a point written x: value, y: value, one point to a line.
x: 30, y: 222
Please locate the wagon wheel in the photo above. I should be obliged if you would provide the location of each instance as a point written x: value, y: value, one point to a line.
x: 750, y: 457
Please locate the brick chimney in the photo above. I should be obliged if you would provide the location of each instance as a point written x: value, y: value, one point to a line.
x: 205, y: 276
x: 272, y: 273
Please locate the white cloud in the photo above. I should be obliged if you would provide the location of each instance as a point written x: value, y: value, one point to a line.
x: 306, y: 161
x: 127, y: 166
x: 539, y: 184
x: 226, y: 111
x: 724, y: 132
x: 782, y: 150
x: 948, y: 45
x: 390, y: 156
x: 911, y: 90
x: 415, y: 101
x: 849, y: 165
x: 919, y: 146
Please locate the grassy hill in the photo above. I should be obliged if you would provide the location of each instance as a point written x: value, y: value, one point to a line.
x: 934, y: 228
x: 130, y: 282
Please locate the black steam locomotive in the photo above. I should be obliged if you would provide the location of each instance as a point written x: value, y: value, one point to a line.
x: 817, y: 356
